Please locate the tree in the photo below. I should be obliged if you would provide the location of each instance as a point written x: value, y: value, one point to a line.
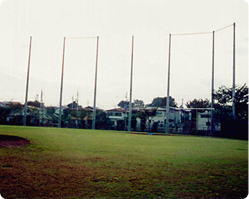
x: 223, y: 97
x: 134, y: 121
x: 102, y: 120
x: 198, y: 103
x: 4, y: 111
x: 162, y: 101
x: 124, y: 104
x: 146, y: 114
x: 223, y: 110
x: 50, y: 109
x: 142, y: 116
x: 138, y: 103
x: 66, y: 116
x: 82, y: 113
x: 7, y: 109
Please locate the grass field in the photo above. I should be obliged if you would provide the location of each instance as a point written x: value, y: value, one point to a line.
x: 74, y: 163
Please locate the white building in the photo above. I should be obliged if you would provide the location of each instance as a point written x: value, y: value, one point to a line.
x: 159, y: 120
x: 204, y: 121
x: 117, y: 114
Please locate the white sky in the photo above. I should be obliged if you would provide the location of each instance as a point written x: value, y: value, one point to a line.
x: 151, y: 22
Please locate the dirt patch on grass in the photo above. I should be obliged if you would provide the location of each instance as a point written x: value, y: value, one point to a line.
x: 8, y: 141
x: 48, y: 178
x: 28, y: 176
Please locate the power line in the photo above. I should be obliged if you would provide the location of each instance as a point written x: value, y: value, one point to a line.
x: 198, y: 33
x: 223, y: 28
x: 81, y: 37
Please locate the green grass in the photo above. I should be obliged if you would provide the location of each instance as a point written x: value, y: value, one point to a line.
x: 72, y: 163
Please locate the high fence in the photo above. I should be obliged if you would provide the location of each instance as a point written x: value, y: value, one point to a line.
x: 167, y: 122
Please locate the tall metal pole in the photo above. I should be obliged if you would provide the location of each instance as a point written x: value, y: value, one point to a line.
x: 233, y: 94
x: 167, y: 106
x: 27, y: 86
x: 130, y: 104
x: 212, y: 92
x: 95, y: 86
x: 62, y: 71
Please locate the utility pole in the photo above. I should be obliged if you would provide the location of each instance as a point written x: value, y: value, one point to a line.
x: 130, y: 104
x: 27, y: 86
x: 95, y: 86
x: 62, y: 71
x: 167, y: 106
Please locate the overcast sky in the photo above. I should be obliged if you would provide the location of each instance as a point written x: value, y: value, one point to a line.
x: 115, y: 21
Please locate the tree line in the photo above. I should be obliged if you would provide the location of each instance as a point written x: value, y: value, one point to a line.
x: 222, y: 109
x: 222, y: 114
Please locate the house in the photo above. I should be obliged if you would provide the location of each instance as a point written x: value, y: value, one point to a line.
x: 34, y: 116
x: 85, y: 117
x: 181, y: 120
x: 118, y: 117
x: 204, y: 121
x: 57, y: 110
x: 160, y: 118
x: 15, y: 117
x: 157, y: 122
x: 3, y: 105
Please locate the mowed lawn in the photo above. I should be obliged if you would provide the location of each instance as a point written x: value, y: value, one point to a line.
x: 75, y: 163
